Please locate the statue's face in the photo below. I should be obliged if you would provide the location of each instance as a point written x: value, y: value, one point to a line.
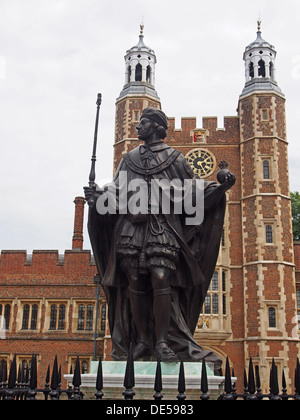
x: 145, y: 129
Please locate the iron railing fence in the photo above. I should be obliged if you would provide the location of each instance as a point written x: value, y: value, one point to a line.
x: 21, y: 384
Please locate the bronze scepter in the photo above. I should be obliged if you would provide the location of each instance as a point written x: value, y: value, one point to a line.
x: 92, y: 176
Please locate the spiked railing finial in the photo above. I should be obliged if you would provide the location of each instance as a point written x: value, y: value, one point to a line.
x: 204, y: 383
x: 158, y: 382
x: 181, y: 383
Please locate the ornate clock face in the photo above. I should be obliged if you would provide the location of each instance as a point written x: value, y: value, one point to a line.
x: 202, y: 162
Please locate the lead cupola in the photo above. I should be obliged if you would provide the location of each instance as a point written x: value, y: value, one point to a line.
x: 140, y: 63
x: 260, y: 65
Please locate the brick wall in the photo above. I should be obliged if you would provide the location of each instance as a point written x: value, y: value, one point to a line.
x: 45, y: 278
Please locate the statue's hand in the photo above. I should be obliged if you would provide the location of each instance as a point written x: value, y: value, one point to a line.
x: 229, y: 182
x: 91, y: 195
x: 88, y: 193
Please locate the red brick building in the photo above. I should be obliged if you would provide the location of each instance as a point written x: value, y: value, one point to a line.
x: 48, y: 301
x: 48, y: 304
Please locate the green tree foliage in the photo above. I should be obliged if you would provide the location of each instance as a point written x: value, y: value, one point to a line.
x: 295, y: 197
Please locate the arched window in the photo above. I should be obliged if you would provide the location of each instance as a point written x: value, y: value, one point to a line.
x: 251, y: 70
x: 207, y: 309
x: 103, y: 317
x: 84, y: 367
x: 269, y: 234
x: 148, y: 74
x: 61, y: 317
x: 266, y: 167
x: 215, y: 304
x: 215, y: 281
x: 89, y: 317
x: 272, y: 317
x: 129, y: 74
x: 211, y: 303
x: 223, y: 239
x: 3, y: 367
x: 30, y: 316
x: 224, y: 290
x: 25, y: 321
x: 4, y: 316
x: 25, y: 365
x: 271, y: 69
x: 81, y: 317
x: 85, y: 317
x: 53, y: 316
x: 138, y: 73
x: 34, y: 314
x: 57, y: 324
x: 261, y: 68
x: 215, y: 307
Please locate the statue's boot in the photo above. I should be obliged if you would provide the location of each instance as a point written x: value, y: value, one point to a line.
x: 162, y: 314
x: 139, y: 310
x: 164, y: 353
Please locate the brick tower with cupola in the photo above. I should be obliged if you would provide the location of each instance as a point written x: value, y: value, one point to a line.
x: 138, y: 93
x: 268, y: 260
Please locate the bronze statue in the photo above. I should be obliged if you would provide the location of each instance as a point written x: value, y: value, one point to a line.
x: 155, y: 267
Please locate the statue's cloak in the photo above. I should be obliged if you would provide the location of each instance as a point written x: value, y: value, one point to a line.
x: 197, y: 258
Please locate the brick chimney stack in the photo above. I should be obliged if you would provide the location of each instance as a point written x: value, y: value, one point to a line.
x: 77, y: 240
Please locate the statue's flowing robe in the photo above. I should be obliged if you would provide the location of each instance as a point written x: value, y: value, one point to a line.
x: 197, y: 257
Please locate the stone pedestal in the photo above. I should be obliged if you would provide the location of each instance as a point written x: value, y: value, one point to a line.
x: 113, y: 378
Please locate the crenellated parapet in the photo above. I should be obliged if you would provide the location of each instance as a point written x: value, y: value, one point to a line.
x: 46, y: 262
x: 190, y: 133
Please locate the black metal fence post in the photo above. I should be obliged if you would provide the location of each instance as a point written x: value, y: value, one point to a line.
x: 33, y: 379
x: 158, y: 383
x: 251, y: 382
x: 297, y: 381
x: 19, y: 384
x: 181, y: 383
x: 47, y: 388
x: 77, y: 395
x: 54, y: 394
x: 10, y: 393
x: 69, y: 390
x: 274, y: 388
x: 204, y: 383
x: 3, y: 371
x: 234, y: 386
x: 228, y: 383
x: 284, y: 395
x: 26, y: 381
x: 259, y: 395
x: 245, y: 395
x: 129, y: 381
x: 99, y: 382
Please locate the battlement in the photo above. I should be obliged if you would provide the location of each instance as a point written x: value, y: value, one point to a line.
x: 209, y: 129
x: 46, y: 262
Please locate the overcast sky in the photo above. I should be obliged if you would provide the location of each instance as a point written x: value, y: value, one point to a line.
x: 56, y: 55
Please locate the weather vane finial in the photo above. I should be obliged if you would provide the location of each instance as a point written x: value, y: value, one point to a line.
x: 259, y: 23
x: 142, y: 28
